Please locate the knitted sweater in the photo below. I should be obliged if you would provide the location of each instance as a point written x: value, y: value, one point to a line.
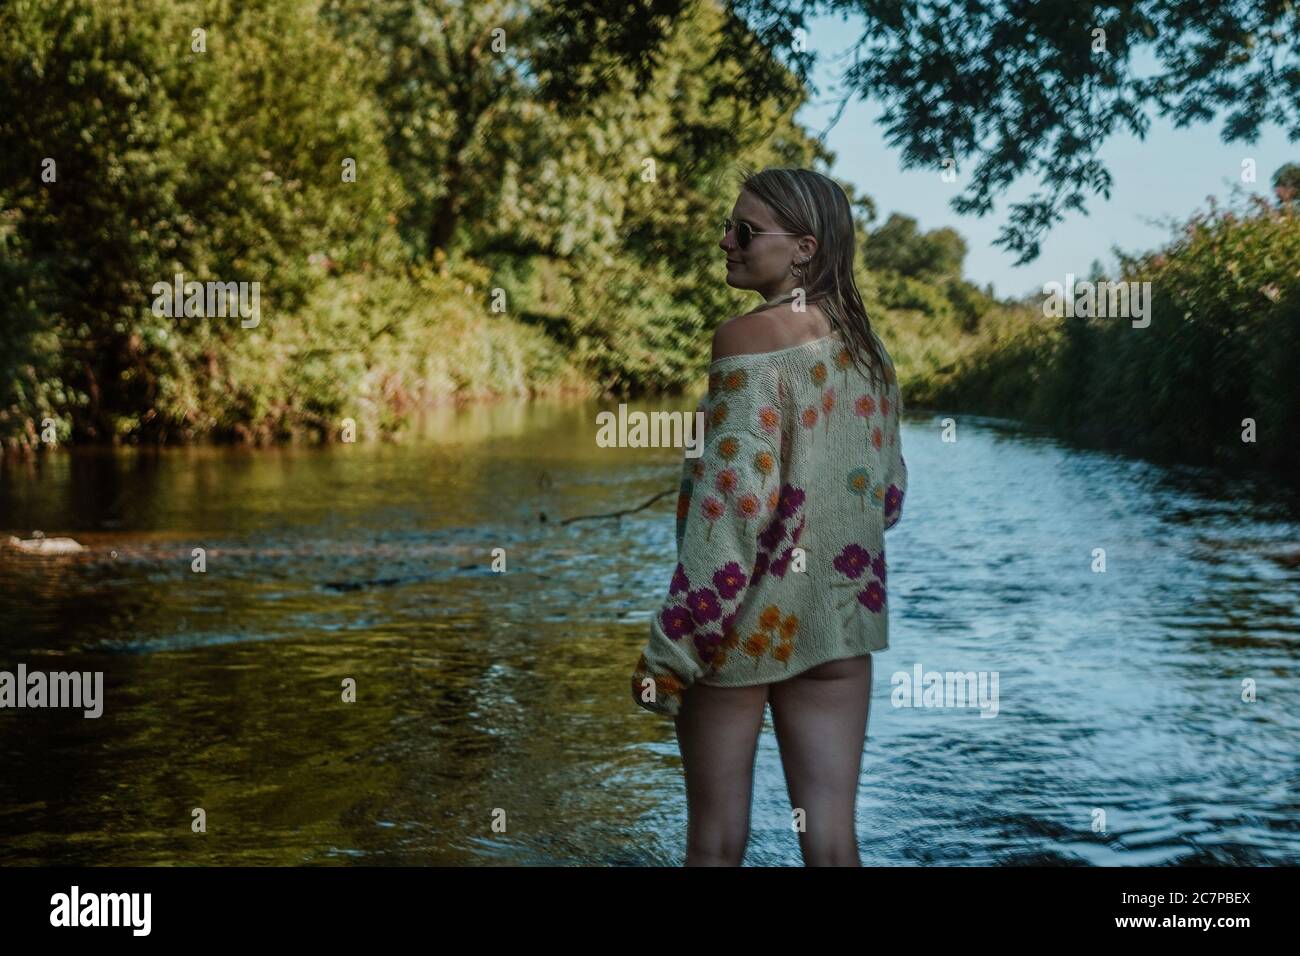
x: 780, y: 524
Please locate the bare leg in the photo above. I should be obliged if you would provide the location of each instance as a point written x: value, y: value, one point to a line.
x: 820, y: 717
x: 717, y: 732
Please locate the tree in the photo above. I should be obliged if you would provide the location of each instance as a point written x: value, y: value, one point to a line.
x: 221, y: 162
x: 901, y: 247
x: 1020, y: 87
x: 1286, y: 182
x: 447, y: 75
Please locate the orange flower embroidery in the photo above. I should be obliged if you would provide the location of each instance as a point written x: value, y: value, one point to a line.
x: 770, y: 621
x: 665, y: 683
x: 713, y: 509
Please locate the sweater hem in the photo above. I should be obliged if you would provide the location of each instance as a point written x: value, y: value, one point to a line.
x: 838, y: 654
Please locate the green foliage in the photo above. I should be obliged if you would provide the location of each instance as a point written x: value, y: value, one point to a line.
x: 220, y: 157
x: 1007, y: 89
x: 921, y: 272
x: 1286, y: 182
x: 362, y: 349
x: 31, y: 357
x: 601, y: 222
x: 221, y: 165
x: 970, y: 304
x: 513, y: 229
x: 899, y: 246
x: 1222, y: 347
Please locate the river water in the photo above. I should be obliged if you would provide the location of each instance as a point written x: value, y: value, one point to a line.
x: 1147, y: 714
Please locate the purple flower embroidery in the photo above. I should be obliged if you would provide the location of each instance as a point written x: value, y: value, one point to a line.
x: 770, y: 538
x: 878, y: 566
x: 680, y: 582
x: 872, y: 597
x: 893, y: 499
x: 791, y: 499
x: 787, y: 503
x: 676, y: 622
x: 704, y: 605
x: 729, y: 579
x: 852, y: 561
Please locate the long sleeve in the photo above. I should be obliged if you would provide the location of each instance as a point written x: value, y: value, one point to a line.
x: 895, y: 483
x: 688, y: 479
x: 727, y: 496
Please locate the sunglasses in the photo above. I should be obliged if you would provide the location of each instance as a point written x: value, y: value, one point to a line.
x: 745, y: 232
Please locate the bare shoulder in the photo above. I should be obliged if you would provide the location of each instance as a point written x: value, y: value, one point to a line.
x: 742, y: 334
x: 775, y: 328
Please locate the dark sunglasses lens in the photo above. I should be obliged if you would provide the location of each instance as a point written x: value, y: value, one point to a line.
x: 744, y: 232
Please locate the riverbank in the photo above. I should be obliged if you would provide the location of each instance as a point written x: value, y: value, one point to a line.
x: 1207, y: 378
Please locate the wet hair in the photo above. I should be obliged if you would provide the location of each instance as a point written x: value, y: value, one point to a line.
x: 807, y: 203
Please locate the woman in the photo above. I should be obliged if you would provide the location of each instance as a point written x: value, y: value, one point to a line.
x: 779, y: 591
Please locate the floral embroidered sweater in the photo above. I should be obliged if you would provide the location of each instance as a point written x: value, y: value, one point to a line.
x: 780, y: 524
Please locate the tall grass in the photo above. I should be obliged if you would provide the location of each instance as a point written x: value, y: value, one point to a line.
x: 1222, y: 351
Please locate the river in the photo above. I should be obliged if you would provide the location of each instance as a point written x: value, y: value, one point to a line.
x: 1146, y: 715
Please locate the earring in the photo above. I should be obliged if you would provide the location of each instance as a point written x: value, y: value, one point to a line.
x: 797, y: 271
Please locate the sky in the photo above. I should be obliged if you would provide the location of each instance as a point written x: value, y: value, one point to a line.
x: 1169, y: 174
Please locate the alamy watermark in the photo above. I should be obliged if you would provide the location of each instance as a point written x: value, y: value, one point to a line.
x: 208, y: 299
x: 74, y: 689
x: 1101, y: 300
x: 946, y: 689
x: 75, y: 908
x: 651, y: 430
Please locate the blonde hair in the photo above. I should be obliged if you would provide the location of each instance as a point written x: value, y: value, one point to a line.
x: 807, y: 203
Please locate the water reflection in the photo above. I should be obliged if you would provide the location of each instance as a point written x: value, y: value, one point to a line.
x: 481, y: 693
